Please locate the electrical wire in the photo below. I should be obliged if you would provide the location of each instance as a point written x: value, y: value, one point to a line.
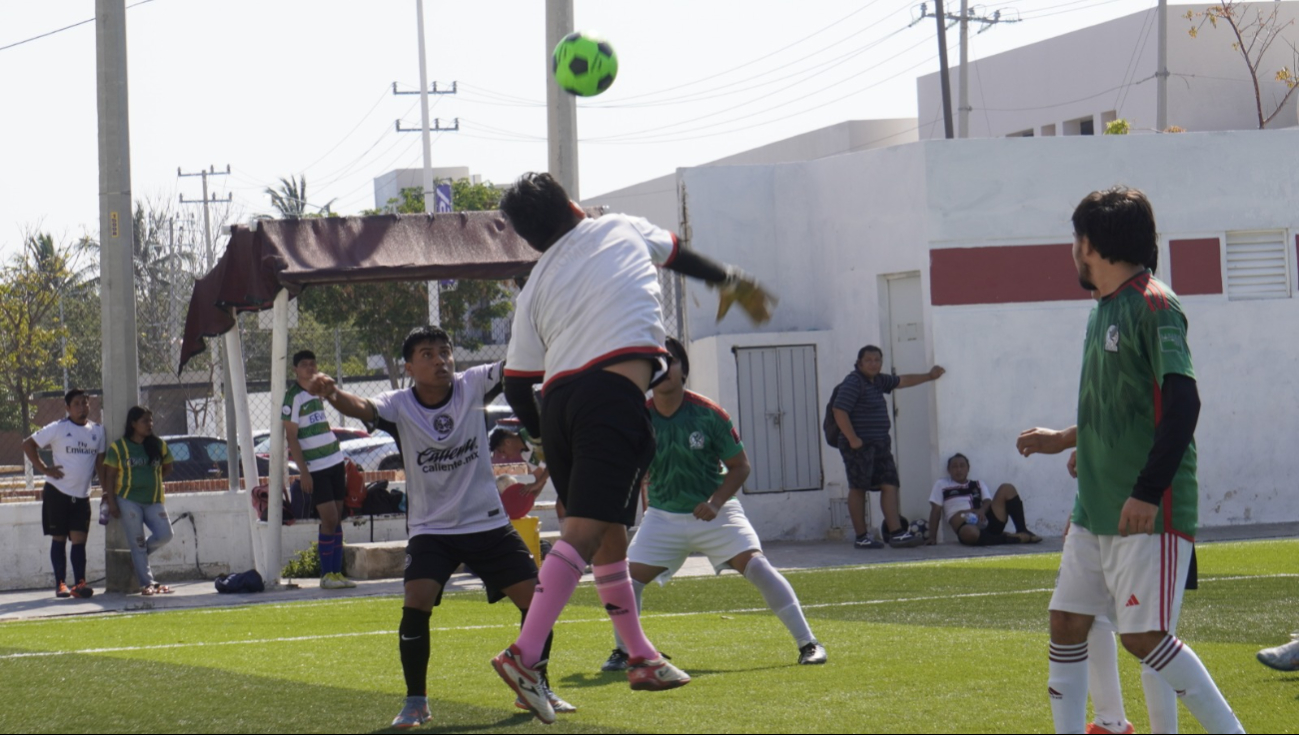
x: 65, y: 28
x: 1070, y: 102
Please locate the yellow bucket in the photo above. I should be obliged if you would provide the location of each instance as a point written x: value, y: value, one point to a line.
x: 529, y: 527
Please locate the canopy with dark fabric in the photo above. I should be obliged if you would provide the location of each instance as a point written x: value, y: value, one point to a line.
x: 294, y: 253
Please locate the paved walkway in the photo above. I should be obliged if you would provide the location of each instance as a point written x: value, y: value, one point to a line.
x: 788, y: 555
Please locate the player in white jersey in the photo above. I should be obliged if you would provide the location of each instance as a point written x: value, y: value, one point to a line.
x: 456, y: 516
x: 588, y: 325
x: 77, y: 449
x: 976, y: 515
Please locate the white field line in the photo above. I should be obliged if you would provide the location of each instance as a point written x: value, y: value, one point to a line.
x: 736, y: 611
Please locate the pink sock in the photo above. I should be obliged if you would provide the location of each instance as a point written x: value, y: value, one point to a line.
x: 613, y: 584
x: 560, y: 573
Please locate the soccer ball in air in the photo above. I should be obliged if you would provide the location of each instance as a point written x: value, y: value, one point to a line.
x: 584, y: 64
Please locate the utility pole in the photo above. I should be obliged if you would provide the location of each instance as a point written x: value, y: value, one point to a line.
x: 121, y: 380
x: 1161, y: 74
x: 561, y: 107
x: 430, y: 193
x: 964, y: 19
x: 221, y: 375
x: 944, y: 74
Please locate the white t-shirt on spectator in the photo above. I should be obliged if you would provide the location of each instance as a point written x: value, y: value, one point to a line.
x: 955, y: 497
x: 74, y: 449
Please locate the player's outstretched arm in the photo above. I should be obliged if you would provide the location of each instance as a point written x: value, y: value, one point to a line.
x: 1046, y: 441
x: 347, y: 404
x: 735, y: 286
x: 935, y: 372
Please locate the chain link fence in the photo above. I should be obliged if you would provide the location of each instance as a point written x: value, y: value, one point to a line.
x: 355, y: 332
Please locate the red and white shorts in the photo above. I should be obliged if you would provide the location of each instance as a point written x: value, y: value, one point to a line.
x: 1137, y: 581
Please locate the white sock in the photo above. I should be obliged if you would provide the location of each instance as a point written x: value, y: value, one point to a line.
x: 1067, y: 686
x: 1182, y: 669
x: 780, y: 597
x: 1103, y: 677
x: 638, y: 588
x: 1161, y: 701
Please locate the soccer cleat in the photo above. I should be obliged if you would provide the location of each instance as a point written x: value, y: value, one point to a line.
x: 617, y: 661
x: 1028, y: 537
x: 655, y: 674
x: 343, y: 582
x: 526, y: 682
x: 330, y: 582
x: 812, y: 653
x: 865, y: 541
x: 557, y: 704
x: 413, y: 714
x: 905, y: 539
x: 62, y: 590
x: 1096, y: 727
x: 1282, y: 658
x: 82, y: 590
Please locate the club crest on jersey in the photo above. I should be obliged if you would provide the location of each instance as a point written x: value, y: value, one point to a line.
x: 444, y: 424
x: 697, y: 441
x: 1112, y: 338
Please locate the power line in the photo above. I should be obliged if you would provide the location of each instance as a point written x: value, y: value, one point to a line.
x: 65, y: 28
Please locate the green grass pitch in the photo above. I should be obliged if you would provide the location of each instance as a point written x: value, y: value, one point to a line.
x: 956, y: 646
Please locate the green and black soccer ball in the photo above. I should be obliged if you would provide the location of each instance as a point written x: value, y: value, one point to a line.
x: 584, y: 64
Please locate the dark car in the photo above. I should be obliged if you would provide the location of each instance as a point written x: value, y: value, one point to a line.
x: 197, y: 457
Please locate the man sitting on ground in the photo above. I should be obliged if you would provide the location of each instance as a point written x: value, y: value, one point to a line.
x: 977, y: 516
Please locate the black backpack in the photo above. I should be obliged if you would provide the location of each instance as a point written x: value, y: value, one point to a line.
x: 249, y: 581
x: 828, y: 425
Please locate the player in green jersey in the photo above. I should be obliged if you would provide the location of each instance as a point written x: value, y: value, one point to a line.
x: 692, y: 506
x: 1129, y: 549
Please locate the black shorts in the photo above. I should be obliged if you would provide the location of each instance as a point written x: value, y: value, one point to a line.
x: 499, y: 557
x: 329, y: 485
x: 62, y: 514
x: 871, y: 466
x: 598, y: 440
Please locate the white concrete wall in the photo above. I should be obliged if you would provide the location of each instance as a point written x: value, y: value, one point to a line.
x: 794, y: 515
x: 1080, y: 74
x: 220, y: 545
x: 657, y: 199
x: 822, y: 233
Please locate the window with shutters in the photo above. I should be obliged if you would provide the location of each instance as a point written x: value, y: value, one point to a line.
x: 1258, y: 265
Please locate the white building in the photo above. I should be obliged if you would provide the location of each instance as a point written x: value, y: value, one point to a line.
x: 957, y: 253
x: 389, y: 185
x: 1075, y: 83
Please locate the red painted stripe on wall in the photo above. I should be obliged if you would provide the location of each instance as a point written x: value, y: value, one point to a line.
x: 1003, y: 275
x: 1197, y: 266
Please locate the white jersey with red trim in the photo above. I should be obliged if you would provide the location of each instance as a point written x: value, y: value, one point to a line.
x: 592, y: 297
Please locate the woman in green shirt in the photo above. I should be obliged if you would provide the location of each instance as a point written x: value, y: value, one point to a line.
x: 135, y: 466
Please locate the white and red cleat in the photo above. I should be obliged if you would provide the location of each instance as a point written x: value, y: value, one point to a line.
x: 655, y: 674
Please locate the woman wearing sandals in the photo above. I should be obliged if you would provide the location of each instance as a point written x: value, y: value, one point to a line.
x: 135, y: 466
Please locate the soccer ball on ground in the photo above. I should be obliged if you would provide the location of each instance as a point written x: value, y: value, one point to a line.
x: 584, y: 64
x: 921, y: 529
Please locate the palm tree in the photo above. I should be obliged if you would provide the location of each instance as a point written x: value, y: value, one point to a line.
x: 290, y: 199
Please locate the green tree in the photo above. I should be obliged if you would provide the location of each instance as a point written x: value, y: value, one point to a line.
x: 31, y: 287
x: 1253, y: 31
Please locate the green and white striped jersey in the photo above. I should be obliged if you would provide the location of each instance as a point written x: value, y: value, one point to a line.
x: 317, y: 440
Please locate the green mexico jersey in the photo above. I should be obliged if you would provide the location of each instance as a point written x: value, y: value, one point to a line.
x: 1135, y: 336
x: 138, y: 479
x: 319, y: 445
x: 692, y: 444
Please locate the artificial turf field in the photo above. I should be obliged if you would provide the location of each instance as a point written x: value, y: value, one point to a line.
x: 955, y: 646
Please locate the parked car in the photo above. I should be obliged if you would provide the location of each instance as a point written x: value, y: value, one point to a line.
x: 197, y: 457
x: 262, y: 447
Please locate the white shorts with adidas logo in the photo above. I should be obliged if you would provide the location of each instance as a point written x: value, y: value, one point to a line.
x: 1137, y: 581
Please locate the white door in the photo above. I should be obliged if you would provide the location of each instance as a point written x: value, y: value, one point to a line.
x: 906, y: 353
x: 779, y: 419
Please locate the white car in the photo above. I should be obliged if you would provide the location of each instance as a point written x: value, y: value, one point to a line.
x: 376, y: 453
